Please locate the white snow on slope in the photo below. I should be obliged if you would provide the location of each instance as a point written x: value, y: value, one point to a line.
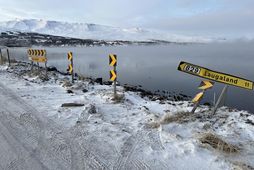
x: 94, y: 31
x: 116, y: 136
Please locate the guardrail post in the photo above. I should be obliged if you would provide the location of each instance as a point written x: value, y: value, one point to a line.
x: 1, y: 56
x: 8, y: 55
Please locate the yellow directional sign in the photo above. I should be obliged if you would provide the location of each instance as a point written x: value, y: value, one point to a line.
x: 112, y: 75
x: 37, y: 55
x: 39, y: 59
x: 70, y: 69
x: 112, y: 60
x: 69, y: 56
x: 198, y: 97
x: 215, y: 76
x: 205, y: 84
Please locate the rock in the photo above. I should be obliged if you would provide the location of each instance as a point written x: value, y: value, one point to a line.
x: 183, y: 95
x: 51, y: 68
x: 98, y: 80
x: 146, y: 107
x: 72, y: 105
x: 91, y: 82
x: 250, y: 122
x: 130, y: 88
x: 84, y: 90
x: 69, y: 91
x: 207, y: 104
x: 108, y: 83
x: 91, y: 109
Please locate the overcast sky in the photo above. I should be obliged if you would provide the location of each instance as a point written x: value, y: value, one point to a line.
x: 199, y: 17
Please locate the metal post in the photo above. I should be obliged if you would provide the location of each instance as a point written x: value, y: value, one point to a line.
x: 8, y: 55
x: 223, y: 92
x: 115, y: 95
x: 72, y: 73
x: 32, y: 63
x: 46, y: 70
x: 1, y: 56
x: 214, y: 99
x: 223, y: 101
x: 195, y: 107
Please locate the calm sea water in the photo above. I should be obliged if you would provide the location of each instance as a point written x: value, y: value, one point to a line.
x: 155, y: 67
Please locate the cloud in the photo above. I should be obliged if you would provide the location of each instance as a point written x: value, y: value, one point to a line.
x: 216, y: 17
x: 227, y: 19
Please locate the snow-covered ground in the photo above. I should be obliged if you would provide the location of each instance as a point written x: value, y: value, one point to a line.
x: 94, y: 31
x: 132, y: 133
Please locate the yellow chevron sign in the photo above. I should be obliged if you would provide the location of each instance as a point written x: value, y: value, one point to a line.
x: 69, y: 56
x: 205, y: 84
x: 33, y: 52
x: 70, y: 69
x: 198, y: 97
x: 215, y: 76
x: 37, y: 55
x: 112, y: 60
x: 113, y: 75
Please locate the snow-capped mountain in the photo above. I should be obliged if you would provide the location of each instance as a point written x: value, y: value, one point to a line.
x: 93, y: 31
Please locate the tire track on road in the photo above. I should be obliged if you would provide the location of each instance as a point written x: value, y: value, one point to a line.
x: 52, y: 145
x: 20, y: 126
x: 128, y: 149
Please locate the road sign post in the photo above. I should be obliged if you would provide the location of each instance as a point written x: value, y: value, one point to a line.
x: 39, y: 56
x: 216, y: 76
x: 113, y: 73
x: 70, y: 66
x: 196, y: 100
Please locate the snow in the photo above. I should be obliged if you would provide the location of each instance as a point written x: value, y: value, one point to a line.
x: 94, y: 31
x: 117, y: 135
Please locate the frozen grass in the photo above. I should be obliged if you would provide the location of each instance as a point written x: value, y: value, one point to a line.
x: 217, y: 143
x: 179, y: 117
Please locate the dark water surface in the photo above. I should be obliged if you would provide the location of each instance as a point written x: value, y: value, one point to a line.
x: 155, y: 67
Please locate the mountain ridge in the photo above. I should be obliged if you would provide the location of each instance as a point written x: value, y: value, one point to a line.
x: 94, y: 31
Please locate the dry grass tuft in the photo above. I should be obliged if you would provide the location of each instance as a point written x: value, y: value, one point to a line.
x: 67, y: 83
x: 3, y: 60
x: 179, y: 117
x: 119, y: 98
x: 218, y: 144
x: 242, y: 166
x: 153, y: 125
x: 81, y: 77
